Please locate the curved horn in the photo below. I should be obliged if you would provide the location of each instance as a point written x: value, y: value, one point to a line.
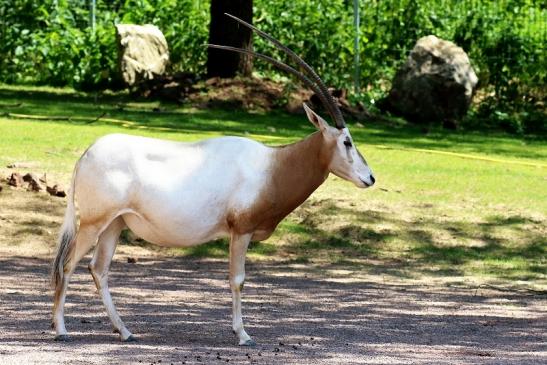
x: 331, y: 106
x: 279, y: 64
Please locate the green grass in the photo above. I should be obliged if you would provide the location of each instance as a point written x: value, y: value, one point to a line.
x: 479, y: 210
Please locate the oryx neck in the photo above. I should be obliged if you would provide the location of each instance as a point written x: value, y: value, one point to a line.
x: 300, y: 168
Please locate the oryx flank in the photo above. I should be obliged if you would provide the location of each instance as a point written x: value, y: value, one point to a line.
x: 183, y: 194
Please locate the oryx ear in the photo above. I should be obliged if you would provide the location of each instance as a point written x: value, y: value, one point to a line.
x: 315, y: 119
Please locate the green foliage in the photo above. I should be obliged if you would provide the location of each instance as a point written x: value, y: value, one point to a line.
x: 511, y: 63
x: 51, y: 42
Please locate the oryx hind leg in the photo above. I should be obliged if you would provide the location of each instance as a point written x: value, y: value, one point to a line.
x: 99, y: 267
x: 85, y: 239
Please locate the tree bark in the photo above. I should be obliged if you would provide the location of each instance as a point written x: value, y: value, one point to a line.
x: 227, y: 32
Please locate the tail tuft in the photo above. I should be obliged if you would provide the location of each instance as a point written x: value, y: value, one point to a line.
x: 61, y: 259
x: 66, y: 240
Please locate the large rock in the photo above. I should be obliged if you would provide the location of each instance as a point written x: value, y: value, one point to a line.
x: 143, y: 52
x: 436, y: 83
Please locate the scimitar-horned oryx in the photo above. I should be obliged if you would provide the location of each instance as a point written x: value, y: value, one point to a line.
x: 184, y: 194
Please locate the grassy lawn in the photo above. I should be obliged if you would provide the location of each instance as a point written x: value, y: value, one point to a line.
x: 446, y: 205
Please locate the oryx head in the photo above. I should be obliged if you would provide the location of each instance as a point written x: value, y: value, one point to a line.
x: 346, y: 161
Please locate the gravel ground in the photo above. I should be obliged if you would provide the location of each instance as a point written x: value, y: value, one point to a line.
x: 180, y: 310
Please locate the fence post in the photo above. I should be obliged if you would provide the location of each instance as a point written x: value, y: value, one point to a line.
x: 93, y: 6
x: 356, y: 22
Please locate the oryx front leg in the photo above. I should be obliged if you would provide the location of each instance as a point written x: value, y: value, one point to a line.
x: 238, y: 250
x: 99, y: 267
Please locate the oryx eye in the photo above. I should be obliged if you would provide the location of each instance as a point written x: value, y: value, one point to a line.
x: 347, y: 143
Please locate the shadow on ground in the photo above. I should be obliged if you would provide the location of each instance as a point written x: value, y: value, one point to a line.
x: 180, y: 310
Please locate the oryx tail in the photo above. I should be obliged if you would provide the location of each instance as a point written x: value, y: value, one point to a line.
x: 67, y: 236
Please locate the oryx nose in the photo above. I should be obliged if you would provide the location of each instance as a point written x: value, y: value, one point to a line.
x: 372, y: 180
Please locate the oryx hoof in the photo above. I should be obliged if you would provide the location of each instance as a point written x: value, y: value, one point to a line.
x: 62, y: 338
x: 248, y: 343
x: 131, y: 338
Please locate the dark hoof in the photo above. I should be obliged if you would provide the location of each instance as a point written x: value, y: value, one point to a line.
x: 249, y: 343
x: 62, y: 338
x: 131, y: 338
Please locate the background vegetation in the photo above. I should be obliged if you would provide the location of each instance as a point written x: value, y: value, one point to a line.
x: 51, y: 43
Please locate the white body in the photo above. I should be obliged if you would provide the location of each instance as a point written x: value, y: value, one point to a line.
x: 169, y: 193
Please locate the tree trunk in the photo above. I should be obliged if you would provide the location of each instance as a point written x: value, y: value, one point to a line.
x: 227, y: 32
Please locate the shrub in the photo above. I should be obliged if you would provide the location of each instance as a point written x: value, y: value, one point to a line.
x: 51, y: 42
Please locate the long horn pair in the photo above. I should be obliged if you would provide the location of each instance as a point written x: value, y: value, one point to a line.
x: 315, y: 83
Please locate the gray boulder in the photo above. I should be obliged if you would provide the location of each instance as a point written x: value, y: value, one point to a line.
x: 436, y: 83
x: 143, y: 52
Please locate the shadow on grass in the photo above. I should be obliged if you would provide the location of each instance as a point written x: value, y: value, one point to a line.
x: 508, y: 247
x: 500, y: 246
x: 148, y: 114
x: 238, y: 122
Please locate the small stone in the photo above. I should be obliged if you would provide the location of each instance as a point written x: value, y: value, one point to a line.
x: 60, y: 193
x: 20, y: 165
x: 15, y: 180
x: 33, y: 182
x: 131, y: 260
x: 29, y: 177
x: 34, y: 186
x: 212, y: 81
x: 56, y: 190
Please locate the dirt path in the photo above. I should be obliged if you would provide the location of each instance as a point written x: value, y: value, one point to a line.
x: 180, y: 310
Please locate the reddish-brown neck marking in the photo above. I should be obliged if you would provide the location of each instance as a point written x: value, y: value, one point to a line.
x: 296, y: 172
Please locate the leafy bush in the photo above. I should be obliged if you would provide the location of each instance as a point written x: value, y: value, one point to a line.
x: 51, y: 42
x: 55, y: 45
